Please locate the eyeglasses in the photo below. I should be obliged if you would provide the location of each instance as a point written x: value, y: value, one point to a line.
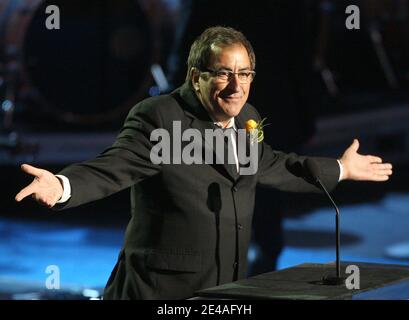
x: 225, y: 75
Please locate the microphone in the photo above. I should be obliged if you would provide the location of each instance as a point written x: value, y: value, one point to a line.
x: 313, y: 170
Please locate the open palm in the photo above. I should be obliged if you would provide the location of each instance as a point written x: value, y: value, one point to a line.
x: 363, y: 167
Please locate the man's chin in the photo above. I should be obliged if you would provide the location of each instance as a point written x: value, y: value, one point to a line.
x: 234, y: 111
x: 232, y: 108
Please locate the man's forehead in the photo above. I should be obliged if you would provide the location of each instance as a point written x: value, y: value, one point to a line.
x: 222, y: 52
x: 218, y: 48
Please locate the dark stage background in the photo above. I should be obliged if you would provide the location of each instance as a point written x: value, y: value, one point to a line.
x: 64, y: 95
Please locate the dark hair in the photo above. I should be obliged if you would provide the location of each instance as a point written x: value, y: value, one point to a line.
x: 218, y: 36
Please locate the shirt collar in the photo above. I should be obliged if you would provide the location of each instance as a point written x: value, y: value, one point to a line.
x: 231, y: 124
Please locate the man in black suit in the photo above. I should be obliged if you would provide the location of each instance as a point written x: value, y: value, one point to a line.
x: 191, y: 223
x: 284, y: 87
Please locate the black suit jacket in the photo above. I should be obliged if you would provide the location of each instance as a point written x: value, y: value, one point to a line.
x: 191, y: 224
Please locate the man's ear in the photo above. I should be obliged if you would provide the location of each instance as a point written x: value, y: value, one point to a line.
x: 195, y: 76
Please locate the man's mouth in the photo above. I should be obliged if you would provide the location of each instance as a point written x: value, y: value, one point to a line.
x: 232, y: 97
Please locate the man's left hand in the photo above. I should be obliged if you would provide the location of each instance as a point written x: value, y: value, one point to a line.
x: 363, y: 167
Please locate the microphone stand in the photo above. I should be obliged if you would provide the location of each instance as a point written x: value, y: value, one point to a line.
x: 337, y: 279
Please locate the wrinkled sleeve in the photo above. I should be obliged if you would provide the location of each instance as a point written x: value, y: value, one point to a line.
x: 285, y: 171
x: 121, y: 165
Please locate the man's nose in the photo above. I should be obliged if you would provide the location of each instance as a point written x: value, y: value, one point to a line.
x: 234, y: 82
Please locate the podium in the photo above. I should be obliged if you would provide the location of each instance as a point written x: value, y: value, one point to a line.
x: 304, y: 282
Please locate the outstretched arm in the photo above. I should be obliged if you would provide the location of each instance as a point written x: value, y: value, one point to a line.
x: 123, y: 164
x: 363, y: 167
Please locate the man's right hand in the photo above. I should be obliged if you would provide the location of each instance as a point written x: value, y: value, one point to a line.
x: 46, y: 188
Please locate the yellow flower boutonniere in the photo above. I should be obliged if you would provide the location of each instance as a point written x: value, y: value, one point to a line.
x: 255, y: 130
